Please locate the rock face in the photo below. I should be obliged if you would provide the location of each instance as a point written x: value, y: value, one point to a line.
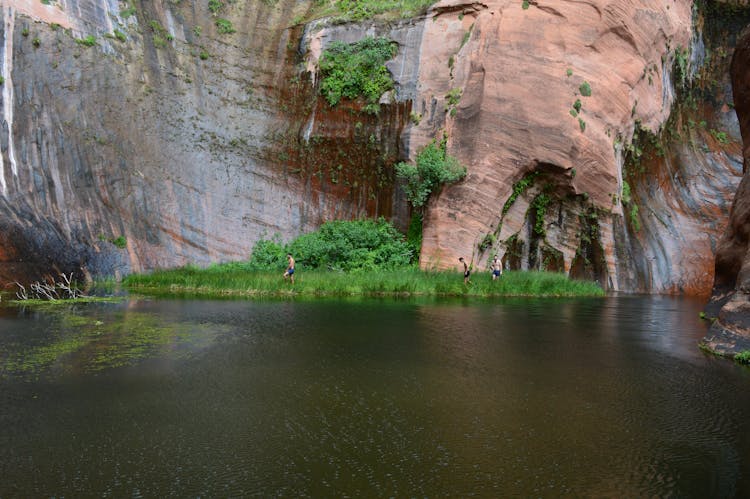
x: 730, y: 300
x: 555, y: 93
x: 183, y: 143
x: 188, y: 143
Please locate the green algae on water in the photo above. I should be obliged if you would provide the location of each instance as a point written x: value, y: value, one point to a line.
x: 95, y: 342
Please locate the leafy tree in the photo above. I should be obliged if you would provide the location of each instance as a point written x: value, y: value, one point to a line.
x: 434, y: 167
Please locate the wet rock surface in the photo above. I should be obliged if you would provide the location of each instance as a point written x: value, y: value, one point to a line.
x: 730, y: 300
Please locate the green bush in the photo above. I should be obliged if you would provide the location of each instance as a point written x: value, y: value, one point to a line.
x: 224, y: 26
x: 434, y: 168
x: 89, y: 41
x: 585, y: 89
x: 215, y: 6
x: 743, y: 357
x: 120, y: 242
x: 357, y: 69
x: 268, y: 254
x: 127, y: 12
x: 339, y: 245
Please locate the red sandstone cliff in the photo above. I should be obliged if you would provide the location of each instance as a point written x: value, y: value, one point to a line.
x: 520, y: 74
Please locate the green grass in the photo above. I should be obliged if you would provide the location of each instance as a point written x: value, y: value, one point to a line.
x: 236, y: 279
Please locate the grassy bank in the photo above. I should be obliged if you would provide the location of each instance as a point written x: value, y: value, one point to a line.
x: 236, y: 280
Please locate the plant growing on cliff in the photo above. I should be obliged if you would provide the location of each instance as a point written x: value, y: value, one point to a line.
x: 453, y: 96
x: 585, y: 89
x: 681, y: 65
x: 434, y: 168
x: 224, y: 26
x: 487, y: 241
x: 215, y: 6
x: 539, y: 205
x: 89, y: 41
x: 518, y: 189
x: 127, y: 12
x: 721, y: 137
x: 358, y: 10
x: 743, y: 357
x: 357, y: 69
x: 634, y: 220
x: 120, y: 242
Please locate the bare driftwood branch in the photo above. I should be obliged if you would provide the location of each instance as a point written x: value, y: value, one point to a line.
x: 65, y: 288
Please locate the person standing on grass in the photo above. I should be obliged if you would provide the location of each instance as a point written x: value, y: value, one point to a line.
x: 290, y: 268
x: 467, y: 271
x: 497, y: 268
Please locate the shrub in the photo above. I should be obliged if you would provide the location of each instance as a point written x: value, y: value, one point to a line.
x: 487, y: 241
x: 339, y: 245
x: 585, y: 89
x: 453, y: 96
x: 433, y: 168
x: 119, y: 35
x: 224, y: 26
x: 268, y: 253
x: 357, y: 69
x: 120, y: 242
x: 743, y: 357
x: 125, y: 13
x: 215, y: 6
x: 89, y: 41
x: 721, y: 137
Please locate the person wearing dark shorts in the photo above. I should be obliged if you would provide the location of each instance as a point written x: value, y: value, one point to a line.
x: 497, y: 268
x: 290, y: 268
x: 467, y: 272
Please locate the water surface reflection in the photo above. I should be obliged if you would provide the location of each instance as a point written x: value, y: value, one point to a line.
x: 606, y: 397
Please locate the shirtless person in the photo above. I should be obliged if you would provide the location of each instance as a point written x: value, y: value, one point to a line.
x: 497, y: 268
x: 467, y: 272
x: 290, y: 268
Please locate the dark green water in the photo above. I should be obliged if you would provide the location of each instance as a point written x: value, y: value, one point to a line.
x: 378, y: 398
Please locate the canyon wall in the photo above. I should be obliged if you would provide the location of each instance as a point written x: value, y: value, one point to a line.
x: 598, y: 137
x: 142, y: 137
x: 729, y: 308
x: 599, y: 204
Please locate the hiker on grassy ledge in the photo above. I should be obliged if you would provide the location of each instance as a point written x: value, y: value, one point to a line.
x: 497, y: 268
x: 290, y: 268
x: 467, y: 271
